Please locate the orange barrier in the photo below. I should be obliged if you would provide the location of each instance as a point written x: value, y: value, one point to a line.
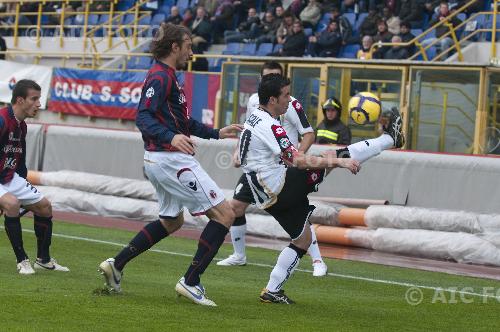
x: 356, y: 202
x: 335, y: 235
x: 352, y: 217
x: 34, y: 177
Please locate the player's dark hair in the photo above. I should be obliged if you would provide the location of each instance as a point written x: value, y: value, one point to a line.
x: 165, y: 37
x: 21, y: 89
x: 270, y: 86
x: 271, y: 65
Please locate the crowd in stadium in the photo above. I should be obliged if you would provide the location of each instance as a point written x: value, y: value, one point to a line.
x: 328, y: 28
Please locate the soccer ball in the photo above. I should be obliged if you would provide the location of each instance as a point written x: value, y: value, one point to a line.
x: 364, y: 108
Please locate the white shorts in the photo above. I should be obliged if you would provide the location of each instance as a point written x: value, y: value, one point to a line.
x: 22, y: 190
x: 180, y: 182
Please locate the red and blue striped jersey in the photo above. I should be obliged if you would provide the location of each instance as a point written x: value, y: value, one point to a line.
x: 13, y: 143
x: 163, y: 111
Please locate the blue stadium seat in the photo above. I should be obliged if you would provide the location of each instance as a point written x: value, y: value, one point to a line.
x: 462, y: 16
x: 128, y: 19
x: 249, y: 49
x: 326, y: 17
x: 431, y: 53
x: 103, y: 19
x: 416, y: 32
x: 277, y: 47
x: 308, y: 32
x: 321, y: 27
x: 169, y: 3
x: 139, y: 62
x: 360, y: 20
x: 232, y: 49
x: 123, y: 5
x: 351, y: 17
x: 182, y: 5
x: 165, y: 9
x: 214, y: 64
x: 349, y: 51
x: 157, y: 19
x: 265, y: 49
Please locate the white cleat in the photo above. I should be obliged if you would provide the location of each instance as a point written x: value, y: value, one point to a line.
x: 233, y: 260
x: 111, y: 275
x: 51, y: 265
x: 24, y: 267
x: 193, y: 293
x: 320, y: 269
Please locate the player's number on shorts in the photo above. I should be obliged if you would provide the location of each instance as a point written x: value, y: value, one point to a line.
x: 244, y: 143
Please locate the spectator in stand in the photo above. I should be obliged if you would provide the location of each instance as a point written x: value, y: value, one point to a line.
x: 201, y: 30
x: 271, y: 5
x: 267, y: 29
x: 442, y: 29
x: 369, y: 25
x: 175, y: 17
x: 311, y: 14
x: 247, y: 31
x: 285, y: 28
x: 209, y: 5
x: 396, y: 52
x: 344, y: 26
x: 279, y: 12
x: 187, y: 18
x: 384, y: 36
x: 241, y: 8
x: 393, y: 22
x: 327, y: 43
x: 411, y: 11
x: 477, y: 6
x: 294, y: 43
x: 430, y: 6
x: 100, y: 6
x: 364, y: 52
x: 406, y: 36
x: 3, y: 46
x: 222, y: 20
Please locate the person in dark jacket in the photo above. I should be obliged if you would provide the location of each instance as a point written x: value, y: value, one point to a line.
x: 396, y: 52
x: 294, y: 44
x: 246, y: 30
x: 331, y: 130
x: 344, y: 26
x: 411, y: 11
x: 328, y: 43
x: 3, y: 47
x: 406, y: 36
x: 442, y: 29
x: 369, y: 25
x: 175, y: 16
x: 201, y: 30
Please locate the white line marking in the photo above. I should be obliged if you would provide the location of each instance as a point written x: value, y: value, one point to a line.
x: 338, y: 275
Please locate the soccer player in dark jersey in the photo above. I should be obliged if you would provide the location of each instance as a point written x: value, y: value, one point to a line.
x: 15, y: 191
x: 164, y: 121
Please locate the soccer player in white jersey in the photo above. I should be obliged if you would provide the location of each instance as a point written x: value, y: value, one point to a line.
x: 265, y: 149
x: 296, y: 124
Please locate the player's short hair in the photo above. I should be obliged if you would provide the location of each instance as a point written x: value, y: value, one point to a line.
x: 165, y: 37
x: 21, y: 89
x: 270, y: 86
x: 271, y: 65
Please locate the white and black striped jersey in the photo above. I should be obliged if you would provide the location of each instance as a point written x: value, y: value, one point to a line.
x: 294, y: 120
x: 263, y: 146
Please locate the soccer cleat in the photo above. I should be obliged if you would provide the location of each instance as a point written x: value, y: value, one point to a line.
x: 232, y: 260
x: 112, y: 276
x: 319, y: 268
x: 51, y: 265
x: 193, y: 293
x: 275, y: 297
x: 24, y: 267
x: 394, y: 127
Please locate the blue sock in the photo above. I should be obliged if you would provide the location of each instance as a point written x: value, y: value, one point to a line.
x: 147, y: 237
x: 43, y: 232
x: 210, y: 241
x: 15, y: 235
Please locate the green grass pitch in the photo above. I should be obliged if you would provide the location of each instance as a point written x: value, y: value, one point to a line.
x: 349, y: 301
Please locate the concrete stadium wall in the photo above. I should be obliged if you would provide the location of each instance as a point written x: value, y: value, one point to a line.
x: 407, y: 178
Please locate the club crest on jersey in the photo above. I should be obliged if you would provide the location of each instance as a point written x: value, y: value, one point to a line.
x: 213, y: 194
x: 296, y: 104
x: 313, y: 177
x: 150, y: 92
x: 278, y: 131
x: 285, y: 142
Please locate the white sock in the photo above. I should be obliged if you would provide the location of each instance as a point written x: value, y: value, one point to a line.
x: 238, y: 239
x: 287, y: 261
x: 364, y: 150
x: 314, y: 247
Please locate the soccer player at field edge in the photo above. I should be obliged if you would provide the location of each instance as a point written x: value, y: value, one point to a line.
x: 15, y: 191
x: 296, y: 124
x: 265, y: 148
x: 179, y: 180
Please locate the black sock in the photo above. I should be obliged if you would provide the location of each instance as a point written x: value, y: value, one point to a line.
x: 210, y: 241
x: 152, y: 233
x: 240, y: 221
x: 43, y: 232
x: 15, y: 235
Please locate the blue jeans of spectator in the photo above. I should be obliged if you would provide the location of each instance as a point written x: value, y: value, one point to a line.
x: 442, y: 45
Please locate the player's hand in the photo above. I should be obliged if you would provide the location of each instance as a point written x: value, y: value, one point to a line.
x: 353, y: 165
x: 230, y: 131
x: 236, y: 159
x: 183, y: 144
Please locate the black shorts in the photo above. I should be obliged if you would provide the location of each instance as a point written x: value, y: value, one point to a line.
x: 243, y: 192
x: 292, y: 209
